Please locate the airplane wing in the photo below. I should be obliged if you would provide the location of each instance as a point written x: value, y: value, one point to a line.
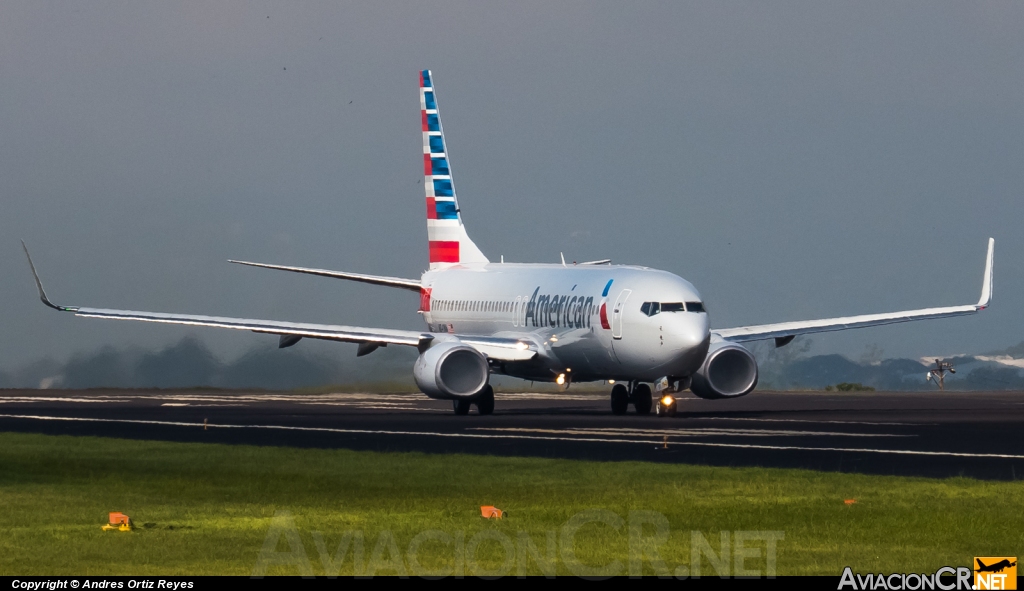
x: 783, y: 332
x: 499, y: 348
x: 411, y: 284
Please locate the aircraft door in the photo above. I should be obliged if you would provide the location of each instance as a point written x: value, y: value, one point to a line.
x: 620, y: 304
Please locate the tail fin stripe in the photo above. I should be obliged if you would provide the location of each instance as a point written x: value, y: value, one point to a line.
x: 446, y: 234
x: 436, y: 144
x: 444, y: 251
x: 437, y: 167
x: 443, y: 188
x: 445, y: 210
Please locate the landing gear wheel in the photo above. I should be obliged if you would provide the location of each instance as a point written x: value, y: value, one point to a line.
x: 620, y: 399
x: 484, y: 401
x: 666, y: 408
x: 461, y: 406
x: 642, y: 399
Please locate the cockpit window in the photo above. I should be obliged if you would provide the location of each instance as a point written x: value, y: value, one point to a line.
x: 652, y: 308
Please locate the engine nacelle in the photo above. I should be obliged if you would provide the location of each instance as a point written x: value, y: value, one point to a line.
x: 729, y: 371
x: 450, y: 370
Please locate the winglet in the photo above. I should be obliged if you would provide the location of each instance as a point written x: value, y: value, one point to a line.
x: 986, y: 285
x: 39, y: 284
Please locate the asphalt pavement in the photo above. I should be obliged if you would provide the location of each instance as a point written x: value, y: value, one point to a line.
x: 932, y: 434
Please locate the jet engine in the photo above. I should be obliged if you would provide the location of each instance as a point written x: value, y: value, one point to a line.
x: 728, y: 371
x: 451, y: 370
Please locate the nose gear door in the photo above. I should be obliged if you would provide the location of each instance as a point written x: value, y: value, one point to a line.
x: 620, y: 304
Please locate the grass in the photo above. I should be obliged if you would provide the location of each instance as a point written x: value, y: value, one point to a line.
x: 208, y: 509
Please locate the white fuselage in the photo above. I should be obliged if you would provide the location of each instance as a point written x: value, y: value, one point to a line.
x: 587, y: 321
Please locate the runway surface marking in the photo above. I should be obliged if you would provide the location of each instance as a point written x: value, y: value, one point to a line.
x: 700, y: 418
x: 528, y: 437
x: 329, y: 397
x: 363, y: 401
x: 699, y: 432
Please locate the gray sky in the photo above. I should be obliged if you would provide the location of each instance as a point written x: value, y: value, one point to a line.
x: 793, y: 160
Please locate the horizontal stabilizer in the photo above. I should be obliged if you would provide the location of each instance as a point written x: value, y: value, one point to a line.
x: 410, y: 284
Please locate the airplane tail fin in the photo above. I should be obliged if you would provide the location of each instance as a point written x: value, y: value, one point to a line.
x: 447, y: 236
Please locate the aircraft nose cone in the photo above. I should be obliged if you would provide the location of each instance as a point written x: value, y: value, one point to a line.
x: 692, y: 331
x: 691, y: 337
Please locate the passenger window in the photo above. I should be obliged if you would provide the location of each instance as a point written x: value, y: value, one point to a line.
x: 672, y: 307
x: 695, y: 307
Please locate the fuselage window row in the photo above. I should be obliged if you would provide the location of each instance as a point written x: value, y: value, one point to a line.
x: 512, y: 307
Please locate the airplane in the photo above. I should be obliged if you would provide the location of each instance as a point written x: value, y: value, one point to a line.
x: 994, y: 568
x: 631, y: 326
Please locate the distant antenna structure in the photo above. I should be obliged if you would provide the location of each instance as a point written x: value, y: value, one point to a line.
x: 939, y: 373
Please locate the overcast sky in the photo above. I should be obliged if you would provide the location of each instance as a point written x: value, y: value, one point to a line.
x: 792, y: 160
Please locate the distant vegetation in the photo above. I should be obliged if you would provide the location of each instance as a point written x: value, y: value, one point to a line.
x: 848, y: 387
x: 334, y: 366
x: 796, y: 369
x: 190, y: 364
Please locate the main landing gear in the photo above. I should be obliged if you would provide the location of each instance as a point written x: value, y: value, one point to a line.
x: 484, y: 402
x: 640, y: 397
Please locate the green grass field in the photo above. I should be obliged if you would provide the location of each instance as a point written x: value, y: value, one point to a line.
x: 208, y: 509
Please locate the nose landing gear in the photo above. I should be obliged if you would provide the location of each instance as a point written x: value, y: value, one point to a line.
x: 666, y: 406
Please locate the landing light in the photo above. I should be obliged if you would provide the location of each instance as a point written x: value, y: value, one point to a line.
x: 611, y: 381
x: 522, y: 346
x: 560, y: 380
x: 667, y: 401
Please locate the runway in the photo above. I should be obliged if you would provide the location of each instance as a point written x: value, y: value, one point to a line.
x: 933, y: 434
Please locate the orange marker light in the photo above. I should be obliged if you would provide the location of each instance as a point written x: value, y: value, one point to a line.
x: 491, y: 512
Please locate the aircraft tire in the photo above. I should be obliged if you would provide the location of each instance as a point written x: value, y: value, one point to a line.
x: 620, y: 399
x: 461, y: 407
x: 642, y: 400
x: 485, y: 401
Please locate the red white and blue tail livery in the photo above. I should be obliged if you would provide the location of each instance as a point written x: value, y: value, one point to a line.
x: 561, y: 323
x: 449, y: 242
